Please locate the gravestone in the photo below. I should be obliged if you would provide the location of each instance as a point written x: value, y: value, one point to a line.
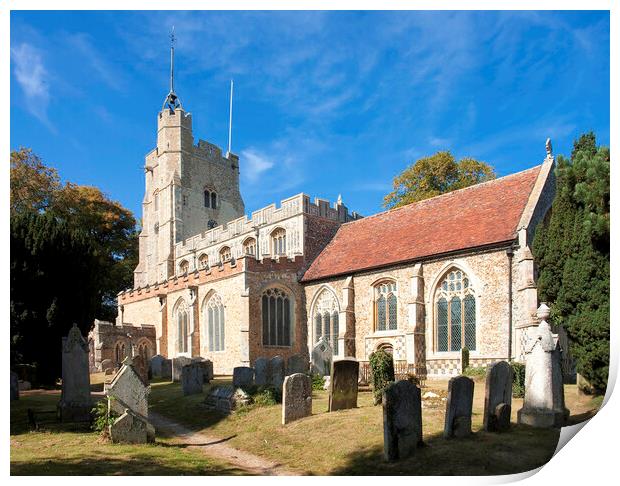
x: 177, y: 366
x: 543, y: 403
x: 155, y: 365
x: 276, y: 365
x: 498, y: 397
x: 128, y: 397
x: 402, y: 420
x: 207, y: 368
x: 262, y: 372
x: 14, y: 386
x: 192, y: 378
x: 106, y: 364
x: 296, y: 397
x: 226, y: 399
x: 459, y: 407
x: 141, y: 368
x: 75, y: 402
x: 296, y: 364
x: 343, y: 384
x: 243, y: 377
x: 322, y: 355
x: 166, y: 369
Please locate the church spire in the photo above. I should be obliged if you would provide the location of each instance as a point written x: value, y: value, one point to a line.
x: 172, y: 101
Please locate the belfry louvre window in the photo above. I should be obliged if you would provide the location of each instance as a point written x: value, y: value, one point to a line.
x: 386, y: 306
x: 455, y: 313
x: 277, y: 317
x: 215, y: 323
x: 278, y: 241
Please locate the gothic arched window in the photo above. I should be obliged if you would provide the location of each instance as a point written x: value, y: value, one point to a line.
x: 277, y: 313
x: 213, y: 200
x: 249, y: 247
x: 120, y: 352
x: 278, y: 241
x: 386, y: 306
x: 207, y: 197
x: 214, y: 315
x: 325, y: 314
x: 203, y: 261
x: 182, y: 320
x: 184, y: 267
x: 455, y: 304
x: 225, y: 254
x: 144, y: 350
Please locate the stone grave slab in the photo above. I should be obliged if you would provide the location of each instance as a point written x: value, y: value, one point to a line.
x: 262, y: 372
x: 498, y: 397
x: 296, y: 397
x: 322, y: 356
x: 276, y: 365
x: 402, y: 420
x: 243, y: 376
x: 296, y: 364
x: 459, y: 407
x: 192, y: 378
x: 75, y: 402
x: 343, y: 384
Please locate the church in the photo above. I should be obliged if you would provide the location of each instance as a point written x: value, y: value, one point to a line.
x: 421, y: 281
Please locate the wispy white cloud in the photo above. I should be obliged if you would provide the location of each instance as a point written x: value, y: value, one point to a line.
x: 83, y: 45
x: 255, y: 164
x: 32, y: 77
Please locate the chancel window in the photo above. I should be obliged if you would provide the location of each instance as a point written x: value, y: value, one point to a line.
x: 455, y: 313
x: 225, y: 254
x: 386, y: 306
x: 184, y: 267
x: 120, y: 352
x: 203, y: 261
x: 182, y: 319
x: 277, y: 313
x: 278, y: 241
x: 214, y: 313
x: 249, y: 247
x: 325, y: 312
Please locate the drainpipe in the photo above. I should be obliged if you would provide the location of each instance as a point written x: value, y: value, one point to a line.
x: 510, y: 254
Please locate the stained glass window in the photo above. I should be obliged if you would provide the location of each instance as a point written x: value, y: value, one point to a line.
x: 386, y: 307
x: 381, y: 313
x: 215, y: 322
x: 456, y: 313
x: 277, y: 318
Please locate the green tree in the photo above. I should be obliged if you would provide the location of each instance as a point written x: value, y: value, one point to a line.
x: 572, y: 251
x: 435, y: 175
x: 33, y: 185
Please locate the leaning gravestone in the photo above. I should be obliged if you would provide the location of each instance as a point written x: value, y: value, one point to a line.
x: 543, y: 404
x: 498, y: 397
x: 141, y: 368
x: 14, y: 386
x: 402, y: 420
x: 276, y: 365
x: 262, y: 372
x: 192, y: 378
x: 155, y: 365
x: 343, y: 384
x: 177, y: 366
x: 128, y: 397
x: 75, y: 402
x: 296, y: 397
x: 226, y: 399
x: 458, y: 407
x: 243, y: 377
x: 296, y: 364
x: 322, y: 355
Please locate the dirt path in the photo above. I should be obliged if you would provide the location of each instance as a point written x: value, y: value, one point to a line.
x: 214, y: 447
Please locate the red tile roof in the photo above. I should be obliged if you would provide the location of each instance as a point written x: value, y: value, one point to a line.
x: 476, y: 216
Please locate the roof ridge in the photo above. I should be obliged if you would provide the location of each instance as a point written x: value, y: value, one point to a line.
x: 444, y: 195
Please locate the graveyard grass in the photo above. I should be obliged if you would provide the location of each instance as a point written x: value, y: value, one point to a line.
x: 64, y: 449
x: 350, y: 442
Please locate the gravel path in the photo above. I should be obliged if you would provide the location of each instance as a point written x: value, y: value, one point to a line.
x: 218, y: 449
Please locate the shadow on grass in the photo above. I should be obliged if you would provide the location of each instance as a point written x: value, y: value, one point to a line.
x: 181, y: 445
x: 521, y: 449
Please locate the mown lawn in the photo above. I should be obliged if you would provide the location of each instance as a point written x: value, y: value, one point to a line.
x: 351, y: 441
x: 64, y: 449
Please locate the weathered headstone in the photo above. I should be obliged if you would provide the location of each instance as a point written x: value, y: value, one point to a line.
x: 192, y: 378
x: 296, y: 364
x: 226, y: 399
x: 156, y: 364
x: 243, y: 376
x: 402, y: 420
x: 543, y: 404
x: 177, y: 366
x: 14, y: 386
x: 106, y: 363
x: 262, y: 372
x: 322, y: 355
x: 75, y: 402
x: 141, y: 368
x: 459, y: 407
x: 276, y: 365
x: 166, y: 369
x: 207, y: 368
x: 128, y: 397
x: 296, y: 397
x: 498, y: 397
x: 343, y: 384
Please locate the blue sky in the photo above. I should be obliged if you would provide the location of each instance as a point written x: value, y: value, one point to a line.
x: 326, y: 103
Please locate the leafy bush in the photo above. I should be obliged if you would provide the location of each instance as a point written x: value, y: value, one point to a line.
x: 518, y: 379
x: 382, y: 367
x: 101, y: 418
x: 413, y: 379
x: 471, y: 371
x: 318, y: 382
x: 266, y: 396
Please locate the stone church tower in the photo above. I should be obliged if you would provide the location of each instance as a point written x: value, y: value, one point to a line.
x: 189, y: 189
